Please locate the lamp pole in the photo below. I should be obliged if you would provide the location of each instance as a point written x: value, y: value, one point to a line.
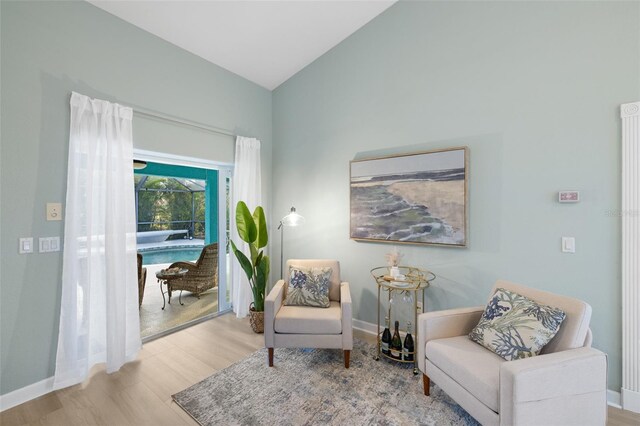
x: 292, y: 219
x: 281, y: 228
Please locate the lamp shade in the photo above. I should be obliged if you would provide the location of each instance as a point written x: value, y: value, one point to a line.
x: 139, y: 164
x: 293, y: 218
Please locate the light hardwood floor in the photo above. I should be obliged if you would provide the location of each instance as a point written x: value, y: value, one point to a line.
x: 140, y: 393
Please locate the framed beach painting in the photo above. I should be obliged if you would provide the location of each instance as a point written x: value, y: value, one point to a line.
x: 416, y: 198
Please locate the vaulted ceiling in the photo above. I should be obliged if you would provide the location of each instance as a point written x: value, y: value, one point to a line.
x: 263, y: 41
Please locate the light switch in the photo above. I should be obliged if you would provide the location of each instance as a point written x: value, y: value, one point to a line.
x: 54, y: 211
x: 568, y: 245
x: 26, y: 245
x: 44, y: 245
x: 49, y: 244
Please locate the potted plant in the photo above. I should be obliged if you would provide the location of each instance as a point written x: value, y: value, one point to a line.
x: 252, y: 229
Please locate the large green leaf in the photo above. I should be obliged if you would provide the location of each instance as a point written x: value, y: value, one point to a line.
x: 267, y: 265
x: 261, y: 224
x: 258, y: 300
x: 253, y: 230
x: 244, y: 221
x: 254, y: 255
x: 262, y: 272
x: 244, y: 262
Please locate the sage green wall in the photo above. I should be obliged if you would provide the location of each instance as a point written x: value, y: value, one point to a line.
x: 48, y: 50
x: 533, y: 89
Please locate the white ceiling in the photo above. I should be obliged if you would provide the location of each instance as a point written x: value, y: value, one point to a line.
x: 263, y: 41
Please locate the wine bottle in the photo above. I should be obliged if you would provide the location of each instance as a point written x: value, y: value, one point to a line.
x: 396, y: 343
x: 386, y: 338
x: 408, y: 347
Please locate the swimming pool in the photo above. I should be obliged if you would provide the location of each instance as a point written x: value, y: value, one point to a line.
x: 170, y: 255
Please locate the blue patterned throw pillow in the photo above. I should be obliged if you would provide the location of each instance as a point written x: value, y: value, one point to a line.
x: 308, y: 287
x: 515, y: 327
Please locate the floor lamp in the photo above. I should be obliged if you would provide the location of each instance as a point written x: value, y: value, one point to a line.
x: 292, y: 219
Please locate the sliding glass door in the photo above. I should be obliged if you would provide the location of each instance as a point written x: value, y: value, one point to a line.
x: 224, y: 234
x: 181, y: 212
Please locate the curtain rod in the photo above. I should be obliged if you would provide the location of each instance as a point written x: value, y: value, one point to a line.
x: 172, y: 118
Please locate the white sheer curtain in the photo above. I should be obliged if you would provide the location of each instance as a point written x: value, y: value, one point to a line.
x: 247, y: 188
x: 99, y: 319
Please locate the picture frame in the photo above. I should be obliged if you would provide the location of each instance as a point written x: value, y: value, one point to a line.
x: 416, y: 198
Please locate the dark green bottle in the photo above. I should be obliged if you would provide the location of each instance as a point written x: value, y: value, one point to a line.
x: 385, y: 342
x: 396, y: 343
x: 408, y: 347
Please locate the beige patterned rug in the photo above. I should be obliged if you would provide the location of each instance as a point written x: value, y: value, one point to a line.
x: 312, y: 387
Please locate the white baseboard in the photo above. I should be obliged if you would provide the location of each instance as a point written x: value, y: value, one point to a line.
x: 367, y: 327
x: 27, y: 393
x: 630, y: 400
x: 613, y: 398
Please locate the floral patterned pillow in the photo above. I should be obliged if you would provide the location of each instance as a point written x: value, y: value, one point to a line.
x: 308, y: 287
x: 515, y: 327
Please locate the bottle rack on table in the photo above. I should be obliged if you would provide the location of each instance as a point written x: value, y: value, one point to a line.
x: 415, y: 280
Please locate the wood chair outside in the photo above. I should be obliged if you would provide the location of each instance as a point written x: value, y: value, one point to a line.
x: 201, y: 276
x: 142, y: 278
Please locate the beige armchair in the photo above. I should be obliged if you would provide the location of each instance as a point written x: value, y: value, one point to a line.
x: 305, y: 326
x: 565, y: 385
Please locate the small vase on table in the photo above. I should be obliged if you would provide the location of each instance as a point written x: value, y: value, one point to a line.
x: 394, y: 272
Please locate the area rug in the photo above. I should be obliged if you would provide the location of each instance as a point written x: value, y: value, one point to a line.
x: 312, y: 387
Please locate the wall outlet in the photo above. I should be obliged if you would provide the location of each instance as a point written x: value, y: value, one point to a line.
x: 54, y: 211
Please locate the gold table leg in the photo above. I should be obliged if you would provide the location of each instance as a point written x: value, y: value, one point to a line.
x: 377, y: 356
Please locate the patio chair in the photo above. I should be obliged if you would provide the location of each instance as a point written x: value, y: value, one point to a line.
x: 142, y: 279
x: 201, y: 276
